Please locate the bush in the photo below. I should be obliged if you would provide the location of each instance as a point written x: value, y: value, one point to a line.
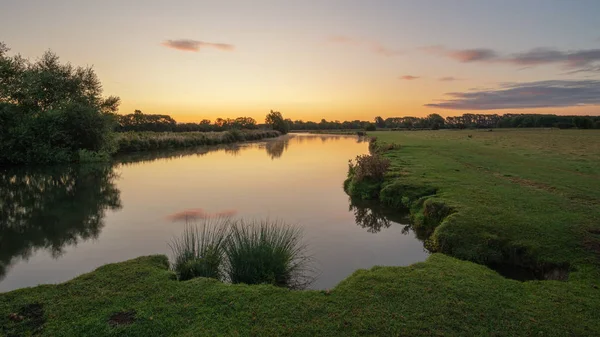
x: 267, y: 253
x: 372, y: 166
x: 371, y: 127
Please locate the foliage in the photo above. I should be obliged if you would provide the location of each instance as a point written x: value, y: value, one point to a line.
x: 265, y: 252
x: 142, y: 141
x: 199, y: 252
x: 373, y: 166
x: 371, y: 127
x: 50, y: 111
x: 138, y: 121
x: 275, y: 120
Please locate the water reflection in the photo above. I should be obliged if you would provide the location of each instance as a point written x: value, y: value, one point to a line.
x: 374, y: 218
x: 52, y: 208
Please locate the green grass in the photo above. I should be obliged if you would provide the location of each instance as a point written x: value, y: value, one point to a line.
x: 526, y: 198
x: 521, y: 197
x: 142, y: 141
x: 443, y: 296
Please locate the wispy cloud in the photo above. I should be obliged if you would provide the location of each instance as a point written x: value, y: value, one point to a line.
x: 462, y: 55
x: 373, y: 46
x: 573, y: 59
x: 409, y: 77
x: 195, y: 45
x: 448, y: 79
x: 539, y: 94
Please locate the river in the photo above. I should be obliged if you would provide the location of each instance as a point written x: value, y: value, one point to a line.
x: 59, y: 222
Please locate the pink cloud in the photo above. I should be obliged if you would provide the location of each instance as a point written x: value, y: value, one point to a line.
x: 409, y: 77
x: 196, y: 46
x: 373, y: 46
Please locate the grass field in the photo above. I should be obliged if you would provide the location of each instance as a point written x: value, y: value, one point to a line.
x: 519, y: 198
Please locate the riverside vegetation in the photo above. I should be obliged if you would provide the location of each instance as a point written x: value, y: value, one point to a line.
x: 522, y: 198
x: 52, y: 112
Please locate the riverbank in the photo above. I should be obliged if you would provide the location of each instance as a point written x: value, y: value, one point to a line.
x: 443, y: 296
x: 530, y: 189
x: 507, y: 198
x: 129, y: 142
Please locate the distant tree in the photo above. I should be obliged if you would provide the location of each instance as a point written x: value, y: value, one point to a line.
x: 275, y: 120
x: 371, y: 127
x: 435, y: 121
x: 379, y: 122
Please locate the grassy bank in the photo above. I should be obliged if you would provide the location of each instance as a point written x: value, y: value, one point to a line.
x: 142, y: 141
x: 518, y: 198
x: 442, y: 296
x: 503, y: 198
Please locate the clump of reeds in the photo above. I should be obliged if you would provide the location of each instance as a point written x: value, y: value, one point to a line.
x: 199, y: 252
x: 257, y: 252
x: 268, y: 252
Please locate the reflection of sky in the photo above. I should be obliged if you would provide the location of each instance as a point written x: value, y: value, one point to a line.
x: 303, y: 186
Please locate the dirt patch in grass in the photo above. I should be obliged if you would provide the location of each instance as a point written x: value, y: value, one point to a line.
x: 122, y: 318
x: 28, y: 320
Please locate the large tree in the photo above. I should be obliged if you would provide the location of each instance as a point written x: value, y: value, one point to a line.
x: 276, y: 121
x: 52, y: 112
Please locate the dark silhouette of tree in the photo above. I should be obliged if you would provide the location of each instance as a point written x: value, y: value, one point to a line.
x: 275, y: 120
x: 51, y: 111
x: 379, y: 122
x: 51, y: 208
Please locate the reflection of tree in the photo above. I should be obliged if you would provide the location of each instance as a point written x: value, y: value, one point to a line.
x: 276, y: 148
x: 233, y: 150
x: 52, y: 208
x: 373, y: 217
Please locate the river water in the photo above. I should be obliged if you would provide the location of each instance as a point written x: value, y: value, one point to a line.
x: 60, y: 222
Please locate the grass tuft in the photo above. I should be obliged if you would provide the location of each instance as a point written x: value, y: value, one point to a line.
x: 199, y: 251
x: 266, y: 252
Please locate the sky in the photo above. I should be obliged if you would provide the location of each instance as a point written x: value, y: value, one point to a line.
x: 332, y: 59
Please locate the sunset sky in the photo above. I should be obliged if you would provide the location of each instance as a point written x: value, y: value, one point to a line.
x: 333, y: 59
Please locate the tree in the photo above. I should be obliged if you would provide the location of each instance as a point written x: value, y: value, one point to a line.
x: 379, y: 122
x: 275, y: 120
x: 435, y: 121
x: 52, y: 112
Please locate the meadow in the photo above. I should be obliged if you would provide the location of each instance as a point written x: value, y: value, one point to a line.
x: 509, y: 199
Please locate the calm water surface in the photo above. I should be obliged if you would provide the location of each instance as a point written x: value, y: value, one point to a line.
x: 57, y: 223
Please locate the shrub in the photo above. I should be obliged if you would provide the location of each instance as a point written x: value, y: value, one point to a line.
x: 372, y: 166
x: 199, y: 251
x: 371, y: 127
x: 267, y: 253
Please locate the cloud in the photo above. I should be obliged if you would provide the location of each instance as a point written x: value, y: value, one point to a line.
x: 448, y: 79
x: 408, y: 77
x: 195, y: 46
x: 462, y: 55
x: 539, y: 94
x: 573, y: 59
x: 373, y: 46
